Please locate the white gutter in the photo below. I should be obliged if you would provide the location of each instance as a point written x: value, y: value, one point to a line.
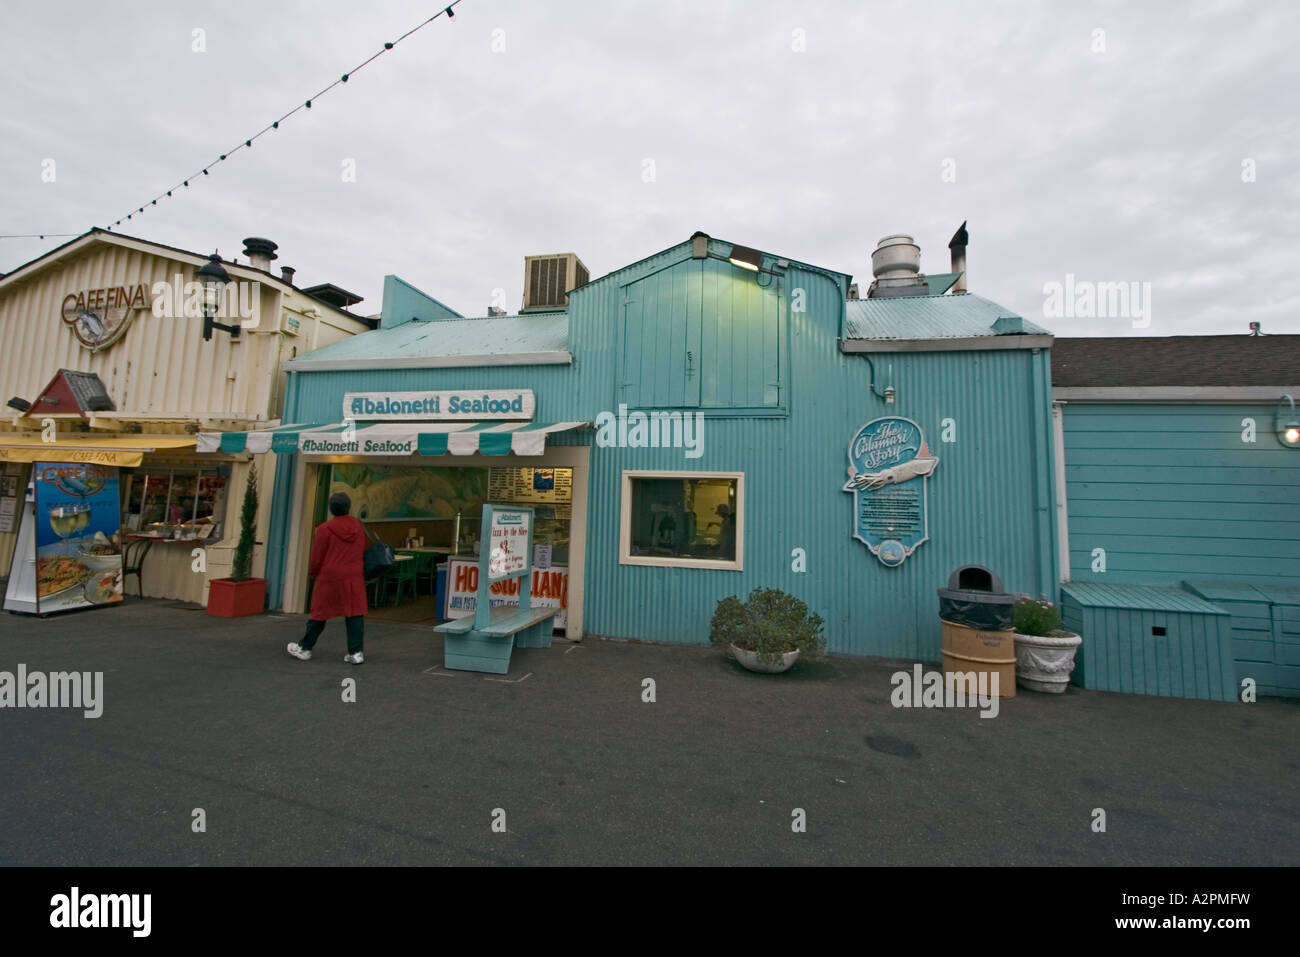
x: 1062, y: 508
x: 967, y: 344
x: 1173, y: 393
x: 552, y: 358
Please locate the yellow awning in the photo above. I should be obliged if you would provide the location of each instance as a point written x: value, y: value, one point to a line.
x: 123, y: 451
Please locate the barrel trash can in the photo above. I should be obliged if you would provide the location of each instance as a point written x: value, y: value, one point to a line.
x: 977, y: 625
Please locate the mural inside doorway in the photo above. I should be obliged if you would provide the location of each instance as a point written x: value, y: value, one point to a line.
x: 409, y: 492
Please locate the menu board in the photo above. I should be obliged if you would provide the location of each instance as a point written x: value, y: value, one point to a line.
x: 8, y: 497
x: 509, y: 544
x: 8, y: 509
x: 530, y: 485
x: 77, y: 523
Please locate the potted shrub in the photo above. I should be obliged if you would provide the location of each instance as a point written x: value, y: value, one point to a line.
x: 768, y: 632
x: 1044, y: 650
x: 241, y: 594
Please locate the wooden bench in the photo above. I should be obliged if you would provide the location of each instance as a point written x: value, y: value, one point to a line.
x: 466, y: 648
x: 484, y: 640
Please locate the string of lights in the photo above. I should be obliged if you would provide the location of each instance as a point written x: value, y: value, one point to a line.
x: 248, y: 142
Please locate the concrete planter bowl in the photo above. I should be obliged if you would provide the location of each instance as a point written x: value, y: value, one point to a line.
x: 1044, y: 663
x: 751, y: 661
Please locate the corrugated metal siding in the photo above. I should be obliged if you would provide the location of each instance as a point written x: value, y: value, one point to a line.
x: 981, y: 498
x: 927, y: 317
x: 1172, y: 492
x: 500, y: 335
x: 989, y: 499
x: 693, y: 337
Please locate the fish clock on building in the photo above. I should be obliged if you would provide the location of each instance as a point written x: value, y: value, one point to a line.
x: 889, y: 466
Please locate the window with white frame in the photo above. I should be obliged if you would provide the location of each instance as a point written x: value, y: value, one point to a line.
x: 687, y: 519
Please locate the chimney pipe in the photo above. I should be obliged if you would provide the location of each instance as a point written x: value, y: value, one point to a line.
x: 958, y: 247
x: 260, y: 252
x: 286, y: 274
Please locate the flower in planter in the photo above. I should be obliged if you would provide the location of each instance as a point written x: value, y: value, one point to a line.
x: 1034, y: 616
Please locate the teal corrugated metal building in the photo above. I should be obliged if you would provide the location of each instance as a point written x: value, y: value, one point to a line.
x: 1174, y: 475
x: 783, y: 372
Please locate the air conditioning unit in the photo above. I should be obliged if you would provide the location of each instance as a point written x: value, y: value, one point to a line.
x: 548, y: 280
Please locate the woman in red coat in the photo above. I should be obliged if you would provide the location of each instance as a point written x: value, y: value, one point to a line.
x: 338, y: 565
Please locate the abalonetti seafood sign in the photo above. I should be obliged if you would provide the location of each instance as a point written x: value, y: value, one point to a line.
x: 498, y: 404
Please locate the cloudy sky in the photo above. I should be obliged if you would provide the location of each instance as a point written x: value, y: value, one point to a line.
x: 1111, y: 142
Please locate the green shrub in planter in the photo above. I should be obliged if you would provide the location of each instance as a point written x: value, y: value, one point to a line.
x: 242, y: 565
x: 770, y: 623
x: 1038, y: 616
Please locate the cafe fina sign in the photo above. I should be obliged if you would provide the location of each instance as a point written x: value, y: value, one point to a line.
x: 99, y: 317
x: 889, y: 466
x: 464, y: 405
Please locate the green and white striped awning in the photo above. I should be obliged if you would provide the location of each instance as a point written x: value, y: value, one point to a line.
x: 392, y: 438
x: 282, y: 438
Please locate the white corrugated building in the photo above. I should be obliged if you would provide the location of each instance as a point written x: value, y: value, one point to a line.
x: 103, y: 338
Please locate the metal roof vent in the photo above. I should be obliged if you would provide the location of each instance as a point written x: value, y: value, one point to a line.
x: 896, y: 266
x: 260, y: 252
x: 549, y: 279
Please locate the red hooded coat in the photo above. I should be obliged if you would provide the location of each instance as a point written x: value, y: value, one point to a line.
x: 338, y: 565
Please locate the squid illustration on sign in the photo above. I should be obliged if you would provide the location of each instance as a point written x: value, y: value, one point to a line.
x: 890, y: 515
x: 919, y: 467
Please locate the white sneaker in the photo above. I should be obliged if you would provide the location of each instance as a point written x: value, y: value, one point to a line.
x: 298, y: 652
x: 352, y: 659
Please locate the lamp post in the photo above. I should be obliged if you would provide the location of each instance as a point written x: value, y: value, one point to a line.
x: 214, y: 278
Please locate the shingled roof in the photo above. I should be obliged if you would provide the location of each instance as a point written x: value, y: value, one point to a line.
x: 1176, y: 361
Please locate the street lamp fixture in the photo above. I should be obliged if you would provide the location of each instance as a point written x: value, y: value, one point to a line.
x: 1288, y: 431
x: 214, y: 278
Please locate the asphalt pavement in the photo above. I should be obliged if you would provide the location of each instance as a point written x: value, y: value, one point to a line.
x: 565, y: 762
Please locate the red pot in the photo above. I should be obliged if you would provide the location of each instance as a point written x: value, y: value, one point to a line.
x: 232, y: 599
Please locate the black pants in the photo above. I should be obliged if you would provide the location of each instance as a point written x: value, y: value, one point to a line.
x: 356, y: 625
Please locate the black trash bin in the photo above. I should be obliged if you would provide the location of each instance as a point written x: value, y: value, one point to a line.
x: 977, y: 621
x: 975, y: 597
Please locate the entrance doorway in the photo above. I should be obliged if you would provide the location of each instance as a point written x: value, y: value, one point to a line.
x: 431, y: 516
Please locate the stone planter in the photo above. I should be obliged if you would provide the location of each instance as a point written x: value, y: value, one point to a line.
x: 1044, y: 663
x: 750, y: 660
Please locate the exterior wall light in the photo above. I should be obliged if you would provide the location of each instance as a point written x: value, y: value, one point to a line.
x: 214, y: 277
x: 21, y: 404
x: 890, y: 392
x: 746, y: 258
x: 1288, y: 430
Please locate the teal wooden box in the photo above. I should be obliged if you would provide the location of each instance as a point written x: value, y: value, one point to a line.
x: 1150, y: 639
x: 1265, y: 631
